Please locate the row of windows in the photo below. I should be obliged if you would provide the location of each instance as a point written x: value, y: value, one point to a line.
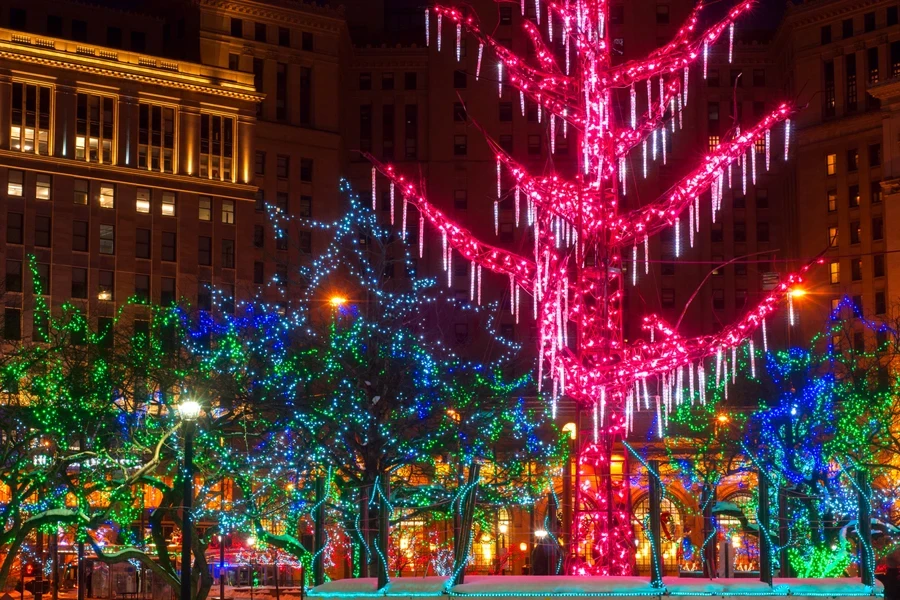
x: 283, y: 166
x: 18, y: 19
x: 856, y: 269
x: 736, y: 78
x: 852, y: 162
x: 304, y: 105
x: 854, y: 199
x: 261, y: 33
x: 873, y: 76
x: 716, y: 232
x: 15, y: 188
x: 410, y: 80
x: 877, y: 232
x: 847, y: 29
x: 411, y: 130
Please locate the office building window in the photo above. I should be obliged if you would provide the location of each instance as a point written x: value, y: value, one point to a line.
x: 281, y: 86
x: 759, y: 78
x: 282, y: 166
x: 856, y: 269
x: 387, y: 133
x: 42, y: 231
x: 217, y: 147
x: 847, y: 28
x: 82, y: 191
x: 831, y: 199
x: 506, y: 112
x: 13, y: 275
x: 79, y: 236
x: 831, y: 164
x: 878, y: 265
x: 387, y: 80
x: 762, y: 198
x: 228, y: 299
x: 877, y: 228
x: 880, y: 303
x: 850, y: 71
x: 259, y: 204
x: 833, y: 237
x: 30, y: 123
x: 835, y: 271
x: 15, y: 183
x: 79, y: 282
x: 872, y: 62
x: 204, y: 250
x: 459, y: 80
x: 156, y: 138
x: 143, y: 246
x: 307, y: 41
x: 142, y: 200
x: 94, y: 129
x: 662, y: 14
x: 365, y: 127
x: 714, y: 141
x: 284, y: 37
x: 259, y: 32
x: 718, y: 299
x: 855, y: 232
x: 506, y: 143
x: 534, y: 145
x: 142, y: 288
x: 853, y: 160
x: 304, y: 242
x: 740, y: 232
x: 869, y: 22
x: 167, y: 291
x: 306, y: 169
x: 259, y: 276
x: 12, y: 324
x: 459, y: 112
x: 281, y: 203
x: 14, y: 228
x: 875, y: 192
x: 895, y: 59
x: 460, y: 145
x: 365, y: 81
x: 169, y: 246
x: 204, y: 295
x: 234, y: 61
x: 259, y: 236
x: 874, y: 155
x: 107, y: 195
x: 762, y: 231
x: 411, y: 118
x: 828, y: 109
x: 853, y: 196
x: 891, y: 15
x: 306, y: 96
x: 306, y: 207
x: 410, y: 80
x: 260, y: 163
x: 228, y: 212
x: 228, y: 254
x: 106, y: 285
x: 41, y: 280
x: 107, y: 239
x: 167, y: 209
x: 205, y: 208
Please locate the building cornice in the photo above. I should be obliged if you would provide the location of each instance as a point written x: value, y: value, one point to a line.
x: 300, y: 14
x: 835, y: 128
x: 65, y: 54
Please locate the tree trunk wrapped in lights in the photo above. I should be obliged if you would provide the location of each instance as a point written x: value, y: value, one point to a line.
x: 584, y: 246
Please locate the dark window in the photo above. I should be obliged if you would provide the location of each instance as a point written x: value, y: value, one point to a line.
x: 617, y: 14
x: 852, y: 91
x: 234, y: 61
x: 304, y: 242
x: 880, y: 303
x: 365, y: 127
x: 506, y: 111
x: 284, y: 36
x: 856, y: 269
x: 409, y: 80
x: 281, y: 86
x: 142, y: 243
x: 282, y: 166
x: 79, y: 235
x: 740, y: 269
x: 853, y: 196
x: 387, y: 80
x: 735, y: 78
x: 138, y: 41
x: 142, y: 288
x: 762, y: 198
x: 740, y: 232
x: 460, y: 199
x: 281, y: 203
x: 712, y: 78
x: 114, y: 37
x: 461, y: 332
x: 459, y: 112
x: 759, y: 78
x: 305, y: 96
x: 228, y: 254
x: 79, y: 282
x: 825, y: 33
x: 506, y: 15
x: 237, y: 27
x: 306, y: 41
x: 847, y: 28
x: 740, y: 298
x: 167, y: 291
x: 204, y: 295
x: 259, y: 66
x: 460, y: 145
x: 54, y: 25
x: 828, y: 109
x: 662, y: 14
x: 79, y: 30
x: 42, y: 231
x: 875, y: 192
x: 81, y: 191
x: 891, y: 15
x: 715, y: 233
x: 306, y: 207
x: 260, y: 162
x: 869, y: 22
x: 534, y: 145
x: 459, y: 80
x: 872, y: 63
x: 859, y: 339
x: 41, y: 280
x: 877, y: 228
x: 12, y: 324
x: 14, y: 228
x: 852, y: 159
x: 107, y: 239
x: 719, y: 299
x: 412, y: 130
x: 739, y: 202
x: 506, y: 143
x: 259, y: 202
x: 13, y: 275
x: 17, y: 19
x: 306, y: 169
x: 169, y: 246
x: 762, y: 231
x: 365, y: 81
x: 259, y: 32
x: 874, y: 155
x: 855, y: 232
x: 258, y: 272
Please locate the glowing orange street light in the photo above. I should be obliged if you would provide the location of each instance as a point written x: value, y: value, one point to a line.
x: 798, y: 292
x: 722, y: 418
x: 337, y: 301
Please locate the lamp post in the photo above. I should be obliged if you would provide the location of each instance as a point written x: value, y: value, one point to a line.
x: 189, y: 411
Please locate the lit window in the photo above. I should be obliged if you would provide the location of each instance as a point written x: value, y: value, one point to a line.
x: 833, y: 237
x: 156, y: 138
x: 760, y: 146
x: 42, y: 188
x: 142, y: 203
x: 831, y: 195
x: 16, y: 185
x: 107, y: 196
x: 228, y: 211
x: 30, y: 124
x: 168, y: 204
x: 216, y: 147
x: 831, y: 164
x: 94, y: 128
x: 713, y: 142
x: 81, y: 191
x: 205, y: 208
x: 107, y: 239
x: 835, y: 271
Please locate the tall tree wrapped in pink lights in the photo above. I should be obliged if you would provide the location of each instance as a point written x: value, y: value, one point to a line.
x: 585, y: 248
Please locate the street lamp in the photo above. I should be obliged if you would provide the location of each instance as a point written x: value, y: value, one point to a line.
x: 337, y: 301
x: 189, y: 411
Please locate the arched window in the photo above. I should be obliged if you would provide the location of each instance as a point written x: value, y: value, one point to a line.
x: 672, y: 532
x: 746, y: 546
